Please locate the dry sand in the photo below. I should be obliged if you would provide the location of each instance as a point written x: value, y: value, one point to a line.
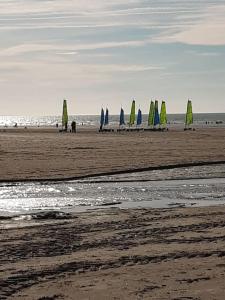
x: 131, y: 254
x: 46, y: 153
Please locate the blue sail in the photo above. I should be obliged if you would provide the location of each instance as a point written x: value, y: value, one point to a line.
x: 122, y: 121
x: 139, y: 117
x: 102, y: 117
x: 106, y: 117
x: 156, y: 117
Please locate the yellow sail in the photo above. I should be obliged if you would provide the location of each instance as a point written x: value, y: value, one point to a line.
x: 163, y: 118
x: 151, y: 114
x: 132, y: 113
x: 65, y: 115
x: 189, y: 114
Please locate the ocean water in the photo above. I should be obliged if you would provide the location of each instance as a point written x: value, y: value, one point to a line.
x: 93, y: 120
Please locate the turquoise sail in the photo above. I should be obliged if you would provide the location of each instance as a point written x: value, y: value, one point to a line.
x: 156, y: 116
x: 122, y: 120
x: 102, y: 118
x: 106, y: 122
x: 139, y: 117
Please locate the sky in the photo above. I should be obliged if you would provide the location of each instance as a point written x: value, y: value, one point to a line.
x: 98, y: 53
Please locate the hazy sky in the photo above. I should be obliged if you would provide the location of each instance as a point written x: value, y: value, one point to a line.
x: 98, y: 52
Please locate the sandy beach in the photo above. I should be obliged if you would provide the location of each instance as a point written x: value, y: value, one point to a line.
x: 112, y: 150
x: 116, y: 254
x: 47, y: 154
x: 173, y: 253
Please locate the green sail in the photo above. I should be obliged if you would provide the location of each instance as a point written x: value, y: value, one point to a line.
x: 151, y: 114
x: 132, y: 113
x: 65, y: 114
x: 163, y: 118
x: 189, y: 114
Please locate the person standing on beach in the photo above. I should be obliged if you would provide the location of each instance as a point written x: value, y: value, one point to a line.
x: 66, y: 127
x: 73, y: 126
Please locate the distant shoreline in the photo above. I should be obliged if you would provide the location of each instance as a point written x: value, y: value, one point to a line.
x: 93, y: 120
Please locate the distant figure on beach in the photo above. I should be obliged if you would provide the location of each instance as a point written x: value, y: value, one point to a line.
x: 57, y: 125
x: 15, y: 125
x: 66, y: 127
x: 73, y: 126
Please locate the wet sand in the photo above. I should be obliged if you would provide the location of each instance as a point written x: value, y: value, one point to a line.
x: 113, y: 254
x: 47, y: 154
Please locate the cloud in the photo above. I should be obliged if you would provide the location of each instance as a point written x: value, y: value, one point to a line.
x: 67, y: 53
x: 86, y: 68
x: 204, y: 53
x: 109, y: 68
x: 108, y: 48
x: 30, y: 14
x: 24, y: 7
x: 69, y: 48
x: 208, y: 31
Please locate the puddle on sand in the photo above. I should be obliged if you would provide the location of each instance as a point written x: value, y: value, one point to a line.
x: 16, y: 199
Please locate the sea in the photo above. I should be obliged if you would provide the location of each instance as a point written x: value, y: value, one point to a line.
x: 93, y: 120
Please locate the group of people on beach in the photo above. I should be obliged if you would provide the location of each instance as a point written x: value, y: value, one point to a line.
x: 73, y: 127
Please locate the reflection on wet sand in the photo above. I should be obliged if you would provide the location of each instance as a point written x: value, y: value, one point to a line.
x: 132, y: 191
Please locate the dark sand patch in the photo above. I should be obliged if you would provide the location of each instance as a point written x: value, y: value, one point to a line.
x: 113, y: 254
